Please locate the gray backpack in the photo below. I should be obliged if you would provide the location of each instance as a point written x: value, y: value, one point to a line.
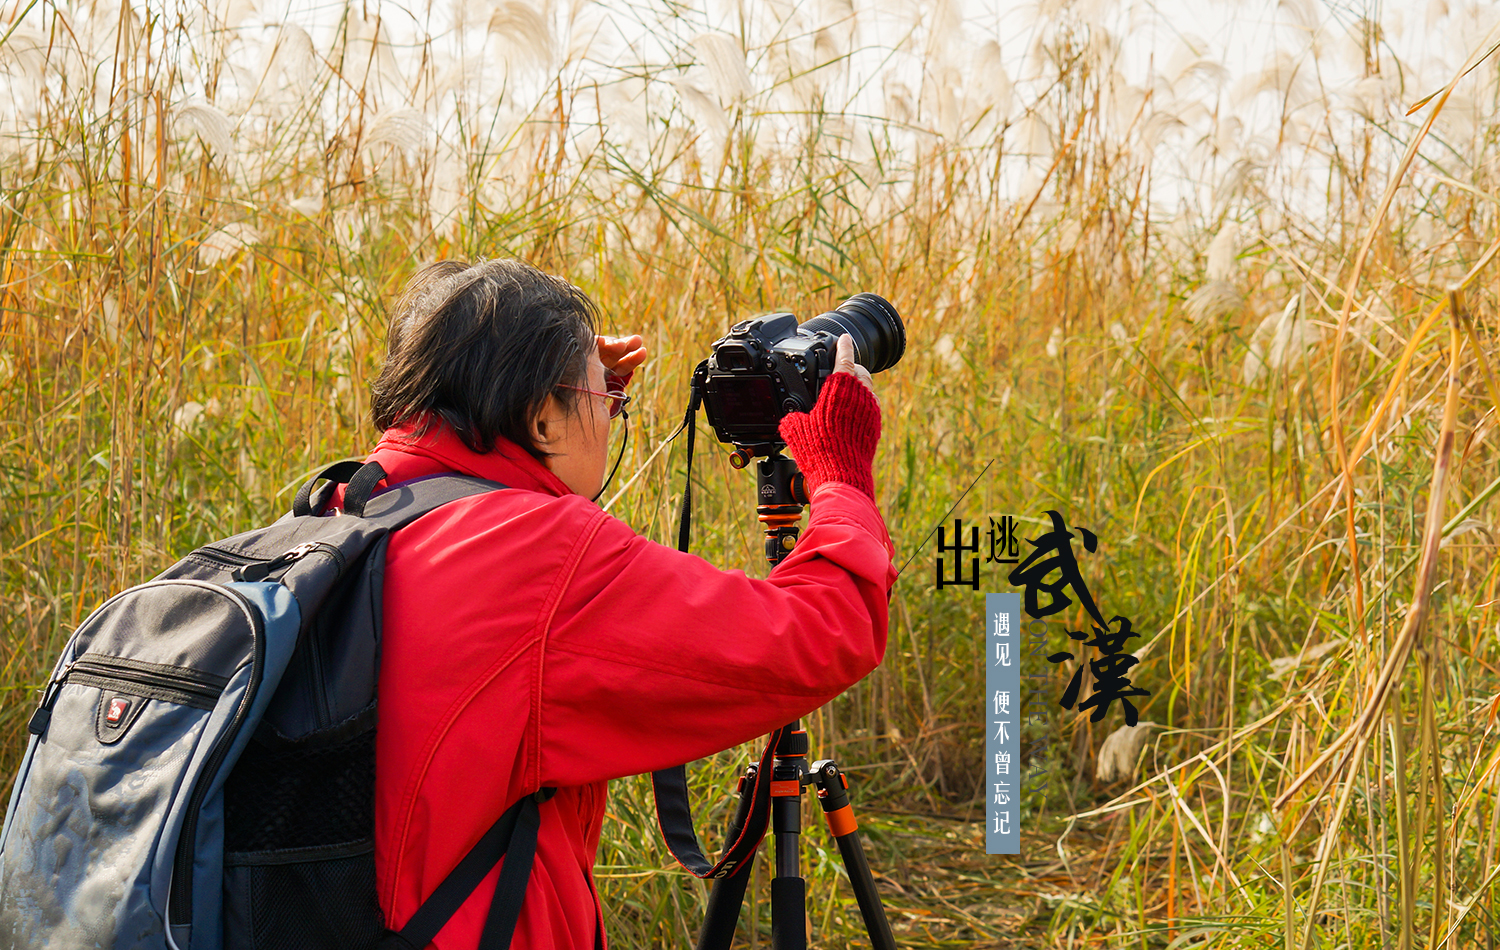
x: 200, y: 773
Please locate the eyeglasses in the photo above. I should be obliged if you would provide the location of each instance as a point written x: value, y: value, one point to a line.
x: 617, y: 398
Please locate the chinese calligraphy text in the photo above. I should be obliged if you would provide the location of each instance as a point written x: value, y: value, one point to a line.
x: 1002, y: 547
x: 1002, y: 714
x: 1054, y: 555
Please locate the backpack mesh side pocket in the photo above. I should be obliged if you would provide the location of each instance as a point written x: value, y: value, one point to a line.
x: 300, y: 860
x: 307, y: 793
x: 318, y: 899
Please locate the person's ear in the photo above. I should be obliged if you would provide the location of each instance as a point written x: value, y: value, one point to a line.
x: 546, y: 421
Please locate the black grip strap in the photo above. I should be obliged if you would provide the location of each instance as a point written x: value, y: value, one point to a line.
x: 450, y: 895
x: 675, y: 816
x: 510, y: 889
x: 361, y: 486
x: 789, y: 913
x: 335, y: 474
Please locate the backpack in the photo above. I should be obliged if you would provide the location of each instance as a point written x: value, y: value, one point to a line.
x: 201, y: 768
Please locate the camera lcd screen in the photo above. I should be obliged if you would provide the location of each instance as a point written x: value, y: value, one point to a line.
x: 744, y: 401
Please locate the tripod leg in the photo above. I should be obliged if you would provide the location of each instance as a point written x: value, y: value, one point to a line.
x: 724, y: 903
x: 788, y: 889
x: 863, y: 882
x: 728, y: 893
x: 833, y: 795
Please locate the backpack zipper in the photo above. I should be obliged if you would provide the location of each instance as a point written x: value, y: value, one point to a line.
x: 180, y: 895
x: 43, y: 714
x: 261, y: 569
x: 179, y: 685
x: 172, y: 684
x: 329, y: 550
x: 224, y: 558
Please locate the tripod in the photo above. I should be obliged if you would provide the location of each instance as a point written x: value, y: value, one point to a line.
x: 782, y: 496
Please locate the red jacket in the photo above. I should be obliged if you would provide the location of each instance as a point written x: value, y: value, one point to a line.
x: 533, y: 640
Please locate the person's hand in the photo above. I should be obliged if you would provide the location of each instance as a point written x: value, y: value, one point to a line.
x: 621, y: 354
x: 836, y: 441
x: 843, y: 362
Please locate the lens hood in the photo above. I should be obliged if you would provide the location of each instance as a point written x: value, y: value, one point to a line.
x: 879, y: 335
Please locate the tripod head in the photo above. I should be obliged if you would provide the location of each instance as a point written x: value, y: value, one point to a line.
x: 780, y: 494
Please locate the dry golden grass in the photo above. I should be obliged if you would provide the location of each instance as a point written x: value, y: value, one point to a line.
x: 1290, y: 473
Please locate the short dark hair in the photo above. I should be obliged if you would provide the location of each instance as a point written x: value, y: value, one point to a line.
x: 482, y: 345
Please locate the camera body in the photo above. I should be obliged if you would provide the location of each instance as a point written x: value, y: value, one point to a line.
x: 768, y: 366
x: 760, y: 371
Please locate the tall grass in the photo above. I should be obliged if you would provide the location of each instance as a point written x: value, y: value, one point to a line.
x: 1212, y: 337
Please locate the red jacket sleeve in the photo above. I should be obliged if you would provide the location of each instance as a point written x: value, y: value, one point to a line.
x: 655, y: 657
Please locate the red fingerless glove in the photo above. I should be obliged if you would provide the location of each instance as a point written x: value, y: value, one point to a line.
x: 836, y: 441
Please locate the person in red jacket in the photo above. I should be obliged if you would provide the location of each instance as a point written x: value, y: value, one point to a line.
x: 531, y: 640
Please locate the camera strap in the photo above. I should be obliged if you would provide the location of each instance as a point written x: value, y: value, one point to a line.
x: 673, y: 812
x: 690, y: 423
x: 675, y: 816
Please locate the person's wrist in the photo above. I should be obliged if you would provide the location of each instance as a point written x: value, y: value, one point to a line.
x: 836, y: 441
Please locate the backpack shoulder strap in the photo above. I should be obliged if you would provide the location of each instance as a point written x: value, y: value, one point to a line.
x: 395, y: 508
x: 516, y: 826
x: 404, y: 503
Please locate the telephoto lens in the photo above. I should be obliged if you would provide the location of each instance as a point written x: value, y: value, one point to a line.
x: 879, y: 335
x: 769, y: 366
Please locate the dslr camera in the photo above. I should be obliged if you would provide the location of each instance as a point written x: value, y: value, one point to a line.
x: 769, y: 366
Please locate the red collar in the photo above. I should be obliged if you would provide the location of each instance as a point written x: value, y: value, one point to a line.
x: 405, y: 457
